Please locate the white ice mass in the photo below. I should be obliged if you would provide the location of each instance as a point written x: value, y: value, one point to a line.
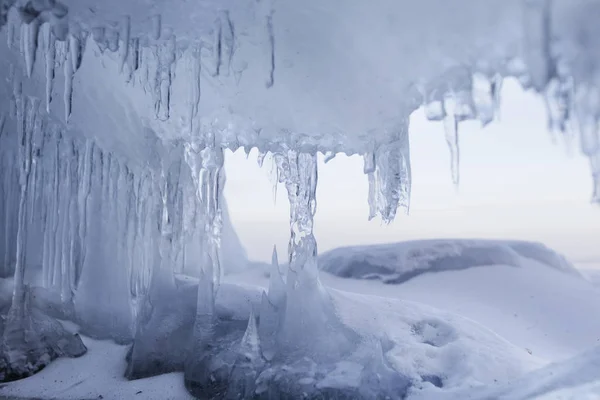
x: 116, y: 245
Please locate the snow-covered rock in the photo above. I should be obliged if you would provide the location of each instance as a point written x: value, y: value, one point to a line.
x: 399, y: 262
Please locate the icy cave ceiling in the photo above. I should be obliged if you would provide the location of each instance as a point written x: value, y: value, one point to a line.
x: 333, y: 76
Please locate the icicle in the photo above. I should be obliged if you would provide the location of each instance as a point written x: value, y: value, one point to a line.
x: 217, y: 47
x: 99, y: 36
x: 227, y: 43
x: 9, y: 212
x: 37, y: 137
x: 68, y: 74
x: 595, y: 166
x: 125, y: 34
x: 434, y: 110
x: 260, y: 159
x: 164, y: 77
x: 369, y: 163
x: 299, y: 172
x: 10, y: 33
x: 496, y: 93
x: 31, y: 44
x: 271, y: 35
x: 156, y: 26
x: 50, y: 53
x: 54, y: 242
x: 66, y: 291
x: 210, y: 196
x: 483, y: 97
x: 206, y: 165
x: 74, y: 49
x: 451, y: 131
x: 587, y: 110
x: 558, y: 96
x: 112, y: 39
x: 26, y: 115
x: 537, y: 29
x: 330, y: 155
x: 389, y: 173
x: 195, y: 87
x: 136, y: 59
x: 86, y: 166
x: 369, y: 169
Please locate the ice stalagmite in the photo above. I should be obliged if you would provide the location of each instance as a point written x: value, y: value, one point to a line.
x: 276, y: 291
x: 272, y: 307
x: 247, y: 365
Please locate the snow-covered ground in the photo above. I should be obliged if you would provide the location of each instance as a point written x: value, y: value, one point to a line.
x: 485, y: 332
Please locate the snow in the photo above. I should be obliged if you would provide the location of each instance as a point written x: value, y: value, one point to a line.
x: 534, y: 307
x: 421, y: 342
x: 98, y: 373
x: 499, y: 325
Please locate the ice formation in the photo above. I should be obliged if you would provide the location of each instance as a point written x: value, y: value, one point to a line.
x: 114, y: 118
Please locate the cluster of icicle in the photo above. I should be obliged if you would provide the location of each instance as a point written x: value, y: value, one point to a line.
x: 97, y: 226
x: 464, y: 93
x: 569, y: 86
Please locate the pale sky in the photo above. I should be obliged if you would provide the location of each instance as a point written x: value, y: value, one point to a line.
x: 515, y: 183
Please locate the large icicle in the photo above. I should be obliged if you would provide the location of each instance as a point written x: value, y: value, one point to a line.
x: 299, y: 172
x: 308, y: 305
x: 272, y: 307
x: 30, y: 36
x: 26, y: 116
x: 205, y: 160
x: 389, y: 172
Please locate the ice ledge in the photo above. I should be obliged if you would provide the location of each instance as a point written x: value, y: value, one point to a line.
x: 281, y: 75
x: 275, y: 75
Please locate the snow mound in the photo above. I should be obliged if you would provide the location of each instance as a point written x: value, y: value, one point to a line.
x: 399, y: 262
